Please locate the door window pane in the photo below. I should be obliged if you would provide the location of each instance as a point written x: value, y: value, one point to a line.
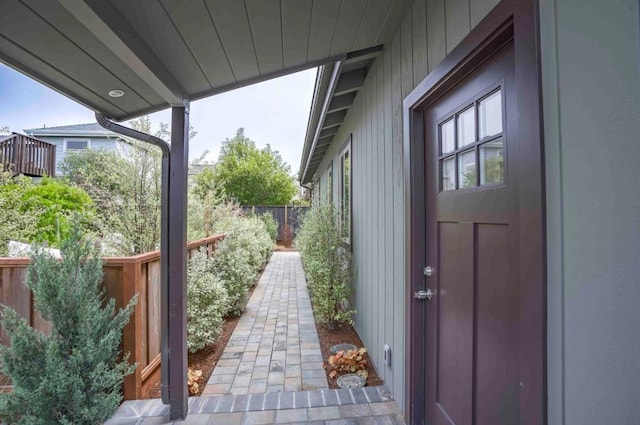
x: 448, y: 174
x: 466, y: 127
x: 492, y: 162
x: 447, y: 137
x: 467, y: 169
x: 491, y: 115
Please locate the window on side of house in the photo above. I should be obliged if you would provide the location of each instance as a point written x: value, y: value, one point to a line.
x: 330, y: 182
x: 76, y: 145
x: 345, y: 191
x: 317, y: 192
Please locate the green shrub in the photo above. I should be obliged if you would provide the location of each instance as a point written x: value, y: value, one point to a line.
x: 271, y: 224
x: 14, y: 223
x: 327, y: 265
x: 72, y: 375
x: 240, y: 255
x: 54, y: 201
x: 207, y: 302
x: 234, y: 271
x: 261, y: 244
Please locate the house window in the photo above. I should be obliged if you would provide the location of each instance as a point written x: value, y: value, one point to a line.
x: 330, y: 182
x: 472, y: 144
x: 345, y: 191
x: 317, y: 195
x: 76, y: 145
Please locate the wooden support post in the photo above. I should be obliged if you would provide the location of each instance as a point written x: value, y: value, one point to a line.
x: 131, y: 343
x: 177, y: 259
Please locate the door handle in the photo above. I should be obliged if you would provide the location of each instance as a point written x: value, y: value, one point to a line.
x: 423, y: 295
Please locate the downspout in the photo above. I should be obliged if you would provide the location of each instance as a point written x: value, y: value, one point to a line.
x: 164, y: 233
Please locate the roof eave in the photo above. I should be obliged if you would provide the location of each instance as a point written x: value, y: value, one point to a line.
x: 323, y: 80
x: 329, y: 83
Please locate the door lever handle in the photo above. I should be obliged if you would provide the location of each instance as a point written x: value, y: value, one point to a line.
x: 423, y: 295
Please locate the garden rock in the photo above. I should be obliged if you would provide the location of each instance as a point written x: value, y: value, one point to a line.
x: 351, y: 380
x: 342, y: 347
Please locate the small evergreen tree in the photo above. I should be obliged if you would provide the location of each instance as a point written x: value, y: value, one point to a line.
x: 72, y: 375
x: 327, y: 265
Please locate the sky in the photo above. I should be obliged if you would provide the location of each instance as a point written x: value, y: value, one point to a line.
x: 274, y: 112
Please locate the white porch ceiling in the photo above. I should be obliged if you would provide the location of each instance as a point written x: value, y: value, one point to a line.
x: 160, y: 52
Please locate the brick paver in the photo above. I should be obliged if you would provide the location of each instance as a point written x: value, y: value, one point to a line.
x: 275, y: 345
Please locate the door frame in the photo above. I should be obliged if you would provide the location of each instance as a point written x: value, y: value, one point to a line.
x: 515, y: 20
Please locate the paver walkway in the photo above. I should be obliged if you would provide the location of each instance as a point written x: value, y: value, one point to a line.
x: 271, y: 370
x: 275, y: 345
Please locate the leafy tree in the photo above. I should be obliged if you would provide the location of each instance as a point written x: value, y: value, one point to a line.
x: 14, y: 223
x: 253, y: 176
x: 71, y: 375
x: 105, y: 176
x: 39, y: 212
x: 207, y: 186
x: 54, y: 202
x: 206, y: 193
x: 4, y: 130
x: 127, y: 190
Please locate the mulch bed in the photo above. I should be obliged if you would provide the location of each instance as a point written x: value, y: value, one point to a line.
x: 344, y: 334
x: 281, y: 247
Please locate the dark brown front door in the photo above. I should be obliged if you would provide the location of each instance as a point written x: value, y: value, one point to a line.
x: 472, y: 167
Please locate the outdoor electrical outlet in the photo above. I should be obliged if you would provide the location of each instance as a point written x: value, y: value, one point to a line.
x: 387, y: 355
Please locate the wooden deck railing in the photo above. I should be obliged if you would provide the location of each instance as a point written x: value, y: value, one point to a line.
x: 27, y: 155
x: 123, y: 278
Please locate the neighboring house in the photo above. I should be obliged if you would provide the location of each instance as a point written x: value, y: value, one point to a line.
x: 484, y: 154
x: 78, y: 137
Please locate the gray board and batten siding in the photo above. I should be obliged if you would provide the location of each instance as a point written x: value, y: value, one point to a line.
x: 591, y: 105
x: 427, y: 33
x: 592, y: 198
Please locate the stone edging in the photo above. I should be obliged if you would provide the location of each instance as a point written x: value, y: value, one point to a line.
x: 259, y: 402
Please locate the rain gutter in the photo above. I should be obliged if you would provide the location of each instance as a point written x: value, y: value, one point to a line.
x: 164, y: 232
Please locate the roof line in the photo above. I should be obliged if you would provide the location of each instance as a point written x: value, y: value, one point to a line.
x: 240, y: 84
x: 25, y: 69
x: 335, y: 75
x: 99, y: 63
x: 103, y: 20
x: 311, y: 141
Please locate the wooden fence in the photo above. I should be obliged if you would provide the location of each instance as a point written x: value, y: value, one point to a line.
x: 123, y: 278
x: 285, y: 215
x: 27, y: 155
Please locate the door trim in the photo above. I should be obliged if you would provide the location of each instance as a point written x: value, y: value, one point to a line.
x: 515, y: 20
